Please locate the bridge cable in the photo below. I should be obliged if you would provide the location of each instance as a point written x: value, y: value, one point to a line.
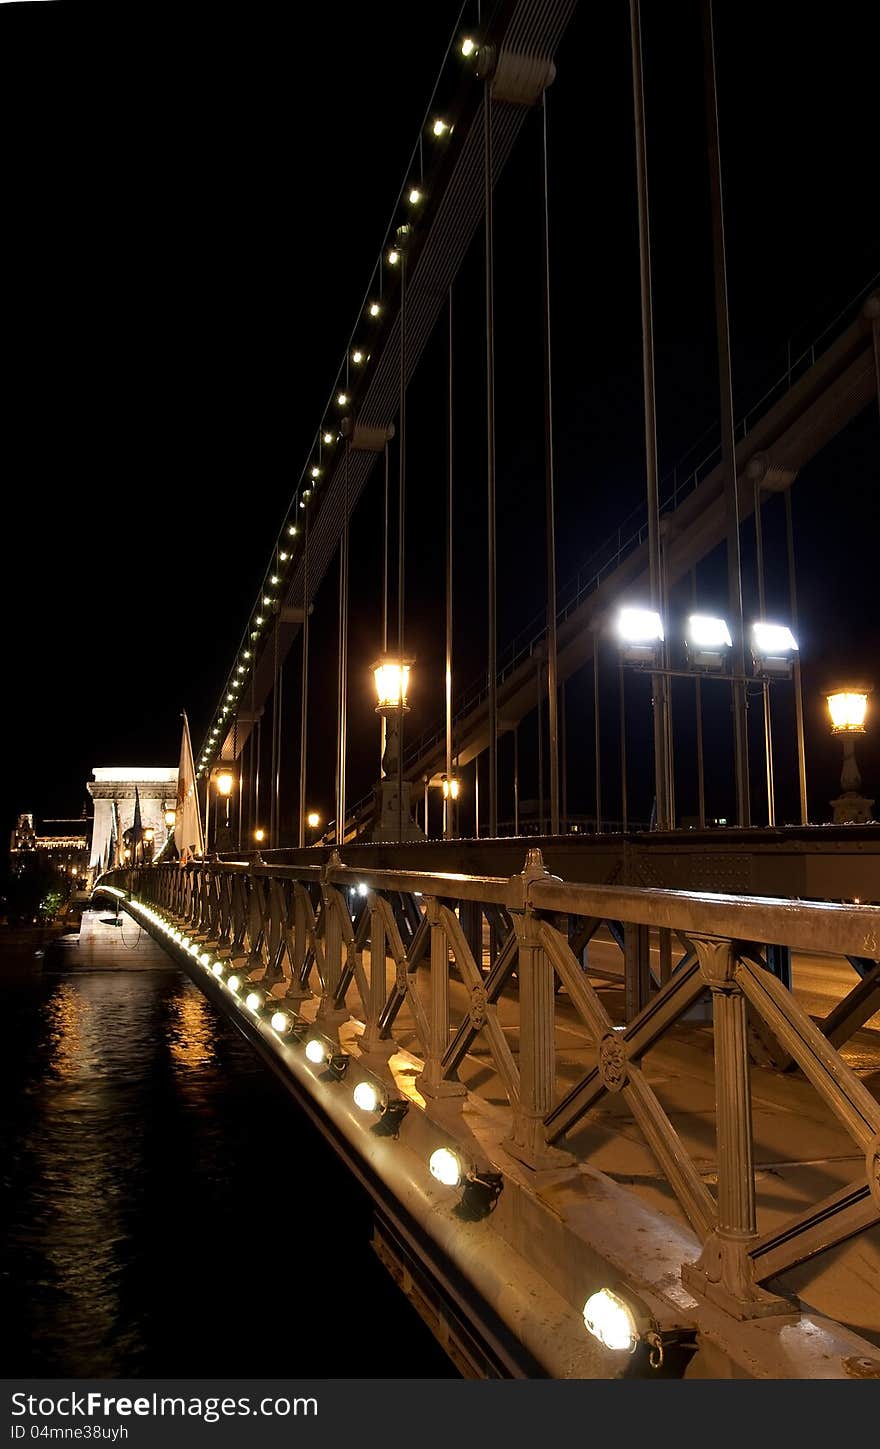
x: 304, y: 691
x: 659, y: 684
x: 490, y: 459
x: 550, y: 495
x: 728, y: 454
x: 401, y: 536
x: 448, y: 801
x: 342, y: 678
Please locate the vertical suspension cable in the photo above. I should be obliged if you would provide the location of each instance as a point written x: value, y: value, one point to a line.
x: 258, y: 753
x: 490, y: 461
x: 765, y: 688
x: 549, y: 494
x: 659, y: 683
x: 276, y: 783
x: 698, y: 698
x: 276, y: 709
x: 401, y: 537
x: 304, y: 691
x: 251, y: 820
x: 448, y: 801
x: 240, y: 782
x: 386, y: 525
x: 798, y: 689
x: 596, y: 733
x: 728, y: 450
x: 342, y: 692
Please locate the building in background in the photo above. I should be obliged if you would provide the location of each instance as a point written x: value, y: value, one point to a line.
x: 61, y: 844
x: 113, y: 791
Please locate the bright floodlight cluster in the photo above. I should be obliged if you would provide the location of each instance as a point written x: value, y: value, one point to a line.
x: 707, y: 639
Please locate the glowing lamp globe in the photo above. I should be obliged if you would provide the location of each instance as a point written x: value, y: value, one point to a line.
x: 225, y: 782
x: 391, y: 677
x: 848, y: 708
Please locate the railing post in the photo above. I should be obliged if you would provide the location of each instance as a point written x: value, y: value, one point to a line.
x: 636, y: 968
x: 329, y: 1014
x: 372, y: 1043
x: 724, y: 1271
x: 431, y: 1082
x: 537, y: 1029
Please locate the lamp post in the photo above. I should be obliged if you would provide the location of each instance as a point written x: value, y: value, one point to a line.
x: 224, y: 780
x: 313, y: 822
x: 848, y: 708
x: 392, y: 818
x: 451, y: 791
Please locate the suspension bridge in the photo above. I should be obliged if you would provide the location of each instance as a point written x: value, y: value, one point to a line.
x: 612, y: 1090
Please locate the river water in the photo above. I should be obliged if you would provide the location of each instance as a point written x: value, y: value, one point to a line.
x: 165, y: 1208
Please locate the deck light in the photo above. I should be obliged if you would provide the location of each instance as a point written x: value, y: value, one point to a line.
x: 328, y: 440
x: 468, y: 47
x: 254, y: 999
x: 414, y: 195
x: 362, y: 889
x: 368, y: 1098
x: 259, y: 621
x: 217, y: 968
x: 293, y: 530
x: 316, y: 1052
x: 358, y: 356
x: 447, y: 1167
x: 342, y: 399
x: 205, y: 960
x: 375, y: 309
x: 439, y: 127
x: 280, y: 1021
x: 233, y: 982
x: 611, y: 1320
x: 393, y: 257
x: 314, y: 472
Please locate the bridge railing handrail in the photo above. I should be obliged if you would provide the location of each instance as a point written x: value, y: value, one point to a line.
x: 284, y: 925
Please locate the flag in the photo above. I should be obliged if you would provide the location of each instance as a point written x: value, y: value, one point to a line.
x: 188, y: 836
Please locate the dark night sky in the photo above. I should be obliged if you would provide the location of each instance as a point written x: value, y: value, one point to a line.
x: 191, y: 215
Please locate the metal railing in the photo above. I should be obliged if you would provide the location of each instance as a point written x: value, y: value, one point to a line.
x: 433, y: 958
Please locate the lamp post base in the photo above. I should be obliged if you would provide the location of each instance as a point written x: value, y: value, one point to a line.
x: 385, y: 816
x: 850, y: 808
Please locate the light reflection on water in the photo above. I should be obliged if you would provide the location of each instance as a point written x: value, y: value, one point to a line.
x: 141, y: 1144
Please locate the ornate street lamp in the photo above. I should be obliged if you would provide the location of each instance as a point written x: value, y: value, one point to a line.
x: 848, y: 708
x: 391, y: 679
x: 224, y: 781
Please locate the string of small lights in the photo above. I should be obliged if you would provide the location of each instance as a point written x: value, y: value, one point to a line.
x: 411, y: 205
